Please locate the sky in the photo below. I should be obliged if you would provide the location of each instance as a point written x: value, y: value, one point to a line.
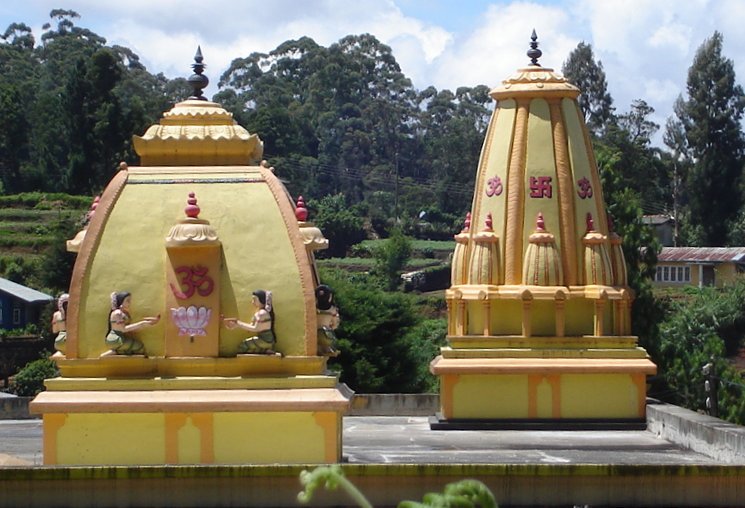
x: 645, y: 46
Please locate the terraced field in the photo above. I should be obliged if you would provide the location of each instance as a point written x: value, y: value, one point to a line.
x: 31, y: 223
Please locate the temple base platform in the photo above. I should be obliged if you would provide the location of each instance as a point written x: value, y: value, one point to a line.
x: 182, y: 425
x: 437, y: 422
x: 548, y: 391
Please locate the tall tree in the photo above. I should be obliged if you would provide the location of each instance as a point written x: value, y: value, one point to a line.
x: 711, y: 119
x: 452, y: 129
x: 18, y: 77
x: 595, y: 101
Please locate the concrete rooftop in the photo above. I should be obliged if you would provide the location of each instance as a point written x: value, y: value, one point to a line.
x: 682, y: 459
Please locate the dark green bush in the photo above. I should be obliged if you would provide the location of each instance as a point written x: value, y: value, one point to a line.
x: 30, y: 380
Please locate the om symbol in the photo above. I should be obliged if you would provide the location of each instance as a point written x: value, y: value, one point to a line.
x: 585, y: 188
x: 192, y: 279
x: 494, y: 186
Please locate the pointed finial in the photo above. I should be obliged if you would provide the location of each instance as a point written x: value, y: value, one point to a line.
x: 301, y: 212
x: 488, y: 222
x: 534, y: 53
x: 192, y: 209
x: 467, y: 223
x: 540, y: 225
x: 590, y: 222
x: 197, y: 80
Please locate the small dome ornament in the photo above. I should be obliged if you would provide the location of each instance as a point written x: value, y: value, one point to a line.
x: 192, y: 231
x: 198, y: 81
x: 301, y: 212
x: 534, y: 53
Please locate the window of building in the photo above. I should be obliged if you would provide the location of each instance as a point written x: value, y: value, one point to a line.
x: 16, y: 316
x: 678, y: 274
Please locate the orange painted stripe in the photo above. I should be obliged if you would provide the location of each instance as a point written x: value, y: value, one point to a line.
x: 52, y: 424
x: 329, y: 423
x: 555, y: 382
x: 533, y: 382
x: 565, y: 189
x: 205, y: 422
x: 515, y: 190
x: 173, y: 423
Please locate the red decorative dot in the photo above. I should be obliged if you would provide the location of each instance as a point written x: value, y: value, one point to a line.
x: 301, y: 212
x: 590, y: 223
x: 540, y: 225
x: 192, y: 209
x: 467, y: 223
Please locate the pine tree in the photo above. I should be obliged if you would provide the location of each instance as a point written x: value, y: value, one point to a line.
x: 710, y: 119
x: 595, y: 101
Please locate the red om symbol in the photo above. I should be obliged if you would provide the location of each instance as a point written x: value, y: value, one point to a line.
x: 193, y: 279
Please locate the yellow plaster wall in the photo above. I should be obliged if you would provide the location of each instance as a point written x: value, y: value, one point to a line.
x: 543, y: 318
x: 725, y: 274
x: 494, y: 163
x: 475, y: 311
x: 485, y: 396
x: 506, y: 317
x: 599, y: 395
x: 581, y: 168
x: 579, y: 317
x: 283, y: 437
x: 540, y: 162
x: 193, y: 438
x: 111, y: 438
x: 525, y: 395
x: 257, y: 254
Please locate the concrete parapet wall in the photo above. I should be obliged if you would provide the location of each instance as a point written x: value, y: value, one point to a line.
x: 704, y: 434
x: 395, y: 404
x: 277, y: 485
x: 15, y: 408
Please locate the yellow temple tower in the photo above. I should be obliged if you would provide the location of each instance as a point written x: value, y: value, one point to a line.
x: 189, y: 261
x: 539, y: 331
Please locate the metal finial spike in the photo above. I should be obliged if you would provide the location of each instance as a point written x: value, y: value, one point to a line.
x: 534, y: 53
x: 198, y: 81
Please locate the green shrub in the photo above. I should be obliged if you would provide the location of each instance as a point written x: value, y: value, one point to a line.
x: 30, y: 380
x: 380, y: 348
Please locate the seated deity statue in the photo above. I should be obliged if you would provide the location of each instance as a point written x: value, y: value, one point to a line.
x: 119, y: 338
x: 327, y: 315
x: 59, y: 323
x: 262, y: 325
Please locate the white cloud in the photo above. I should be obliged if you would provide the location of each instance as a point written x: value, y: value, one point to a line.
x: 498, y: 44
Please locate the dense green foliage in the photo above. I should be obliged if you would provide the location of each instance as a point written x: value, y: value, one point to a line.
x: 390, y: 259
x: 30, y: 380
x: 345, y: 119
x: 596, y: 103
x: 703, y: 327
x: 71, y: 104
x: 385, y: 340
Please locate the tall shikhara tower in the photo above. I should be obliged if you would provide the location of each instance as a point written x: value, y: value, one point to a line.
x: 539, y: 307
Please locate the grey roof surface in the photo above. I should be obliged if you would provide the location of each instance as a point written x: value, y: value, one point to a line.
x: 24, y: 293
x: 409, y: 440
x: 702, y: 254
x: 656, y: 220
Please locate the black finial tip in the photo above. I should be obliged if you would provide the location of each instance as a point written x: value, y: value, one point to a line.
x: 198, y: 81
x: 534, y: 53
